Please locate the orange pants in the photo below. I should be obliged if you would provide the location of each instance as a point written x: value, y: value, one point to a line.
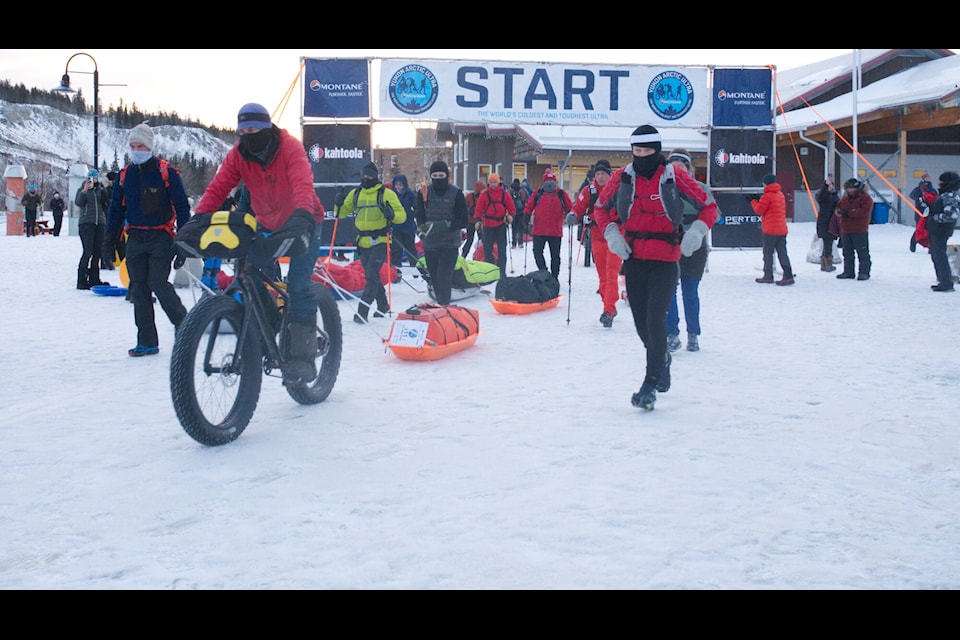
x: 608, y: 270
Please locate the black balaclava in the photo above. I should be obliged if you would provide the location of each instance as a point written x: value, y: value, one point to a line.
x: 369, y: 176
x: 949, y: 181
x: 257, y: 142
x: 440, y: 184
x: 647, y: 136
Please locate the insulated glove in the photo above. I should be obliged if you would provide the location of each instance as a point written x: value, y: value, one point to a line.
x: 478, y: 226
x: 424, y: 229
x: 616, y: 242
x: 693, y: 238
x: 178, y: 259
x: 586, y: 220
x: 508, y: 219
x: 571, y: 219
x: 843, y: 213
x: 389, y: 214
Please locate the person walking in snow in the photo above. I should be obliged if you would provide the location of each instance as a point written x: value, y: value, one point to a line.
x: 691, y: 267
x: 32, y: 203
x: 494, y: 212
x: 441, y: 216
x: 405, y: 234
x: 151, y: 207
x: 548, y: 208
x: 57, y: 205
x: 639, y: 215
x: 607, y: 264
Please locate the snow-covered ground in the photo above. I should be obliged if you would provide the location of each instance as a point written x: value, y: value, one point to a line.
x: 812, y: 443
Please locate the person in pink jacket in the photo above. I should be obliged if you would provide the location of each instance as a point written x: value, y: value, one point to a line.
x: 549, y: 207
x: 639, y: 214
x: 772, y: 209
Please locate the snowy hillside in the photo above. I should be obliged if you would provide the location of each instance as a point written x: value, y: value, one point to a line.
x: 44, y: 139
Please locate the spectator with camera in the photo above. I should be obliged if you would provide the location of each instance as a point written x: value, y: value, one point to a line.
x: 855, y: 208
x: 92, y: 200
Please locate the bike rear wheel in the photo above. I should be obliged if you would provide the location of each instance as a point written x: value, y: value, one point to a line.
x: 329, y: 350
x: 214, y: 394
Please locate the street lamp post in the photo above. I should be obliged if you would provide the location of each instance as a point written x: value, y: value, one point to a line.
x: 66, y: 88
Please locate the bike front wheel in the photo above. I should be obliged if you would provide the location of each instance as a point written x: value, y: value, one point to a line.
x: 329, y: 350
x: 215, y: 383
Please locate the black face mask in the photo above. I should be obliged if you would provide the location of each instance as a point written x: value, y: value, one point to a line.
x: 366, y: 182
x: 440, y: 184
x: 647, y: 165
x: 257, y: 142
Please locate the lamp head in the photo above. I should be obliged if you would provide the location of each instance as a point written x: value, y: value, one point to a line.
x: 65, y: 85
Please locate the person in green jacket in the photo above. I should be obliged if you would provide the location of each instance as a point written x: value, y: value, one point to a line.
x: 377, y: 209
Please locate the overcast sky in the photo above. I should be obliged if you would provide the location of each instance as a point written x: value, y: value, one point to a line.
x: 210, y: 85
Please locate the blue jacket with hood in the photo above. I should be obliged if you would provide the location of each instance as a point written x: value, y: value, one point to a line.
x: 409, y: 201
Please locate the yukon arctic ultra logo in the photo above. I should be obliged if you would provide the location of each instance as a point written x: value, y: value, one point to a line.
x: 670, y: 95
x: 316, y: 153
x: 413, y: 89
x: 722, y: 158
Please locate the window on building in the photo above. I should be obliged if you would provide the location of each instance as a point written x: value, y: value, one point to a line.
x: 484, y: 170
x: 519, y: 171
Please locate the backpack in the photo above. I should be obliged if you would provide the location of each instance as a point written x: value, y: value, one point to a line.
x: 384, y: 208
x: 565, y: 204
x: 518, y: 200
x: 169, y: 218
x: 951, y: 208
x: 536, y: 286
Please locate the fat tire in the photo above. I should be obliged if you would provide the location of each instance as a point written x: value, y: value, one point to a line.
x: 215, y: 408
x: 330, y: 340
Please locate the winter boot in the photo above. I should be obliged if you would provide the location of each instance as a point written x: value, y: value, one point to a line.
x: 845, y: 276
x: 606, y: 319
x: 300, y: 367
x: 673, y: 342
x: 83, y: 282
x: 828, y: 260
x: 786, y: 281
x: 764, y: 280
x: 693, y: 343
x: 663, y: 381
x: 823, y: 263
x: 645, y: 397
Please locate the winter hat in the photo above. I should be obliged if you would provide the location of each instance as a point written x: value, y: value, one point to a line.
x: 853, y: 183
x: 479, y: 186
x: 439, y: 166
x: 33, y: 187
x: 370, y: 170
x: 548, y: 175
x: 56, y: 194
x: 769, y: 178
x: 253, y: 115
x: 93, y: 173
x: 515, y: 184
x: 111, y: 176
x: 646, y: 136
x: 493, y: 177
x: 142, y: 134
x: 949, y: 180
x: 603, y: 165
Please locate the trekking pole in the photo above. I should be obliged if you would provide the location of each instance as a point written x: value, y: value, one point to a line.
x: 389, y: 273
x: 569, y: 272
x: 510, y: 235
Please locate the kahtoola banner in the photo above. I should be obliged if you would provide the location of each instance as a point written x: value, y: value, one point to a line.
x: 739, y: 157
x: 336, y: 88
x: 541, y: 93
x: 337, y: 152
x: 742, y: 98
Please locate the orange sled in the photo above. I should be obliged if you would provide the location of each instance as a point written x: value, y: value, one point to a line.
x: 433, y: 331
x: 512, y: 307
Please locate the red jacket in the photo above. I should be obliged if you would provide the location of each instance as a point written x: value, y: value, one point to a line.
x: 286, y: 184
x: 493, y: 205
x: 549, y: 212
x: 647, y: 214
x: 772, y: 209
x: 859, y: 208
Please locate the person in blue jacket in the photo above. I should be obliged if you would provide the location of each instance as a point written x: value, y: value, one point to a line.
x: 405, y: 233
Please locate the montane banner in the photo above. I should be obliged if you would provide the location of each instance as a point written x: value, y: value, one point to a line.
x: 544, y: 93
x: 337, y: 152
x: 742, y: 98
x: 336, y: 88
x: 740, y: 158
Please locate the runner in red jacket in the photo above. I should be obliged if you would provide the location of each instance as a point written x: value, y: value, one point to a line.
x: 639, y: 213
